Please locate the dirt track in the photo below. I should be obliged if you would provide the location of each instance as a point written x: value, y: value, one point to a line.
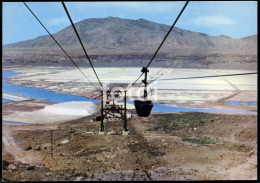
x: 183, y: 146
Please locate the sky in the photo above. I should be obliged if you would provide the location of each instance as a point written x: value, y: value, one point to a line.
x: 236, y: 19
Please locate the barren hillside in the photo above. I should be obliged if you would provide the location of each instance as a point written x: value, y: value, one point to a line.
x: 113, y: 41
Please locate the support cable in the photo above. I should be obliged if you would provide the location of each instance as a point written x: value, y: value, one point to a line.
x: 81, y: 42
x: 58, y: 44
x: 164, y: 39
x: 211, y: 76
x: 199, y: 77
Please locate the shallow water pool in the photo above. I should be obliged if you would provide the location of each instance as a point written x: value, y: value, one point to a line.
x: 241, y: 103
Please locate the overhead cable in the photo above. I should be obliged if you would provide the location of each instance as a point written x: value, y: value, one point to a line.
x: 58, y: 43
x: 80, y: 41
x: 164, y: 39
x: 211, y: 76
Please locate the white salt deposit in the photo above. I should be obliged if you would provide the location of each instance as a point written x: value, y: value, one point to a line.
x: 79, y: 108
x: 14, y: 97
x: 55, y: 113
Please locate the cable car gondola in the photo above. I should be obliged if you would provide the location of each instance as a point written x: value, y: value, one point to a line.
x: 144, y: 107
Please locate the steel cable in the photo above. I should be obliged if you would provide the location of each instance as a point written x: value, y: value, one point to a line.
x: 67, y: 12
x: 164, y: 39
x: 210, y: 76
x: 58, y: 44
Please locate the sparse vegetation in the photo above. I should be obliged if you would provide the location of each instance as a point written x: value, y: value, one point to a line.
x: 237, y: 147
x: 178, y: 121
x: 207, y: 140
x: 199, y: 140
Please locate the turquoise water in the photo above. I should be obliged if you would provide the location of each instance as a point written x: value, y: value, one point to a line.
x: 59, y: 97
x: 37, y: 93
x: 166, y: 109
x: 5, y: 100
x: 7, y: 74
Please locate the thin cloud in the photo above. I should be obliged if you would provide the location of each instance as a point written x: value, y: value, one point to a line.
x: 213, y: 20
x: 59, y: 21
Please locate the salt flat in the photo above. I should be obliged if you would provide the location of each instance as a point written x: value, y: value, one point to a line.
x: 196, y: 91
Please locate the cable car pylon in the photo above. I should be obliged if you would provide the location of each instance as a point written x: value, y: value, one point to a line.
x: 111, y: 110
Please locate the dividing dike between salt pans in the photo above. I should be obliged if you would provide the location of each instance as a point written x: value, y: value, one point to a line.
x: 55, y: 113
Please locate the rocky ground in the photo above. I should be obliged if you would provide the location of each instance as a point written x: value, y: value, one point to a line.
x: 181, y: 146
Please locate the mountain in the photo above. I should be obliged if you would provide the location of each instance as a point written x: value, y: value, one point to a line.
x: 122, y: 42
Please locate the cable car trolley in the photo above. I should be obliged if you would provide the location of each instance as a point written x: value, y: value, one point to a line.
x: 144, y: 107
